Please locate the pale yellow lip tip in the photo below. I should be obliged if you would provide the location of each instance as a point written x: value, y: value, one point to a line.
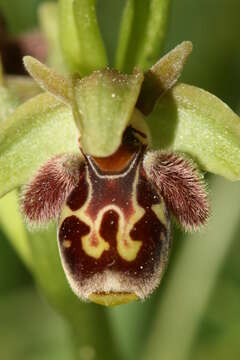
x: 112, y: 299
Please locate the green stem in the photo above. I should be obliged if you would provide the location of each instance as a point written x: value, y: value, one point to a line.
x: 193, y: 278
x: 16, y: 234
x: 92, y: 335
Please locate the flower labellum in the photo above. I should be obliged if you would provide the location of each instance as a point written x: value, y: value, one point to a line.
x: 113, y: 211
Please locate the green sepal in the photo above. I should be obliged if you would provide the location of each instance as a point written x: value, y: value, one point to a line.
x: 48, y: 20
x: 39, y: 129
x: 162, y: 76
x: 105, y: 102
x: 193, y: 121
x: 142, y: 34
x: 92, y: 51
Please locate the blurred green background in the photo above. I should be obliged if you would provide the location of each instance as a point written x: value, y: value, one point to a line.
x: 195, y: 314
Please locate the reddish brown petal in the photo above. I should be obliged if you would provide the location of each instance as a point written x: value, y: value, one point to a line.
x: 180, y: 185
x: 44, y: 196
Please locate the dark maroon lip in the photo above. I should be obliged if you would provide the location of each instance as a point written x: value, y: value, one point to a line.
x: 148, y: 229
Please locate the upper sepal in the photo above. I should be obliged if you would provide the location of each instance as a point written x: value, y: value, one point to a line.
x: 195, y: 122
x: 104, y: 105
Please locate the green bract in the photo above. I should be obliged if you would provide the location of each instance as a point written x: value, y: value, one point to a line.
x: 193, y: 121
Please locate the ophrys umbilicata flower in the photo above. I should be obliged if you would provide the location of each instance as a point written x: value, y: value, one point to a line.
x: 109, y: 109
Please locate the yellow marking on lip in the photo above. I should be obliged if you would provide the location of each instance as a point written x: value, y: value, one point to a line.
x: 160, y: 212
x: 128, y: 248
x: 94, y: 251
x: 112, y: 299
x: 67, y: 244
x: 93, y: 244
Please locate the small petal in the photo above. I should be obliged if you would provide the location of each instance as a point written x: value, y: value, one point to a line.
x: 48, y: 79
x: 44, y: 196
x: 163, y: 76
x: 180, y: 185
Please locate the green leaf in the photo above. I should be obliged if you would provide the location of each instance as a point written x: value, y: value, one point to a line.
x: 68, y: 36
x: 80, y: 37
x: 193, y: 121
x: 9, y: 204
x: 48, y: 19
x: 162, y: 76
x: 142, y: 34
x: 105, y: 103
x: 39, y: 129
x: 9, y: 209
x: 92, y: 51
